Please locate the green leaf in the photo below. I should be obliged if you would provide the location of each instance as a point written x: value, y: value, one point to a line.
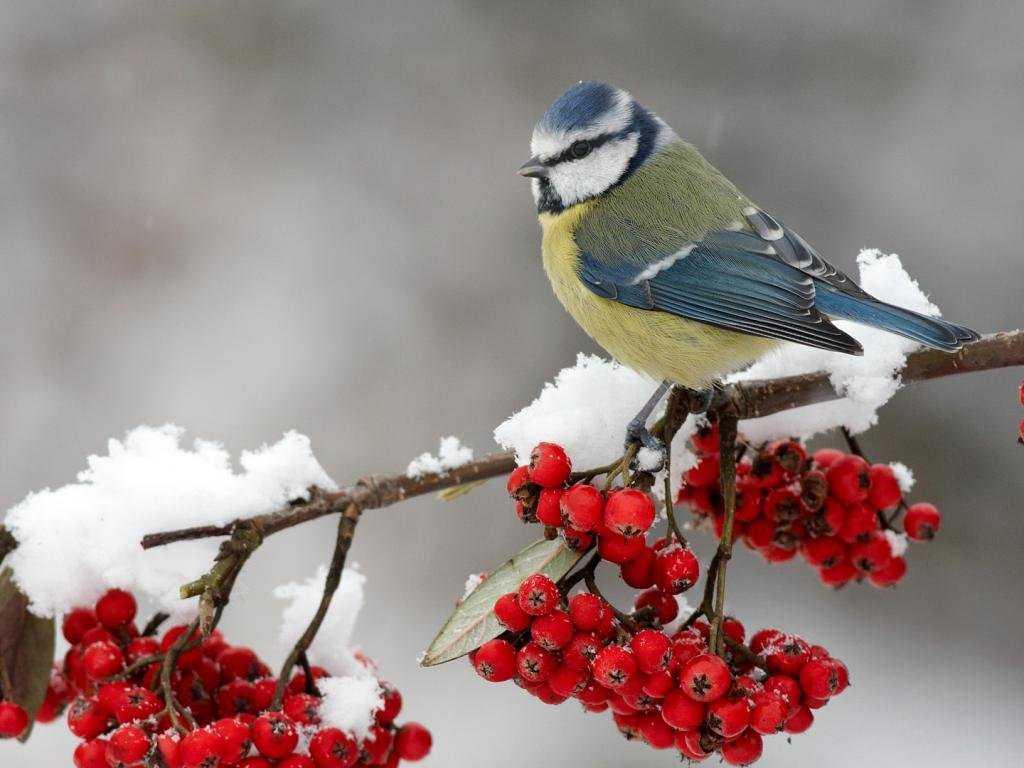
x: 26, y: 649
x: 473, y: 623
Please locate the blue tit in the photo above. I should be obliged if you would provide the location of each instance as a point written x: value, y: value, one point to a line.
x: 671, y: 268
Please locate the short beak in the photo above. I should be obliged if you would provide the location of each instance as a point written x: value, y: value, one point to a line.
x: 533, y: 168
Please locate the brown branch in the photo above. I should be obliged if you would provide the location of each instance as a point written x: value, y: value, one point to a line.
x: 346, y: 530
x: 750, y: 399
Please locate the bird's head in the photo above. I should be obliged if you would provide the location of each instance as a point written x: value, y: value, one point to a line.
x: 592, y: 138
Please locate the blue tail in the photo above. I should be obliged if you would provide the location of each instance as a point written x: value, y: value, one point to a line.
x: 866, y: 310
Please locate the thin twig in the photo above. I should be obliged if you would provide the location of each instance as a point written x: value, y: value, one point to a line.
x: 727, y: 424
x: 171, y: 658
x: 624, y: 619
x: 346, y: 530
x: 744, y: 652
x: 307, y: 670
x: 154, y: 624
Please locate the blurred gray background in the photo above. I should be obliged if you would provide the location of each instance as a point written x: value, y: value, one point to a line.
x: 248, y: 217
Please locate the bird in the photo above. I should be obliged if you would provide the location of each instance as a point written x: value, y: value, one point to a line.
x: 672, y: 269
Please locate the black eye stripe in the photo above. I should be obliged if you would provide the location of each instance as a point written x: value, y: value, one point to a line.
x: 595, y: 142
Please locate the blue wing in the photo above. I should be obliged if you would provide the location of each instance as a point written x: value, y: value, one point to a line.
x: 732, y: 280
x: 768, y: 283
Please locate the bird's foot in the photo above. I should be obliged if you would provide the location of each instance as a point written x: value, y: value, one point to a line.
x: 701, y: 399
x: 651, y: 454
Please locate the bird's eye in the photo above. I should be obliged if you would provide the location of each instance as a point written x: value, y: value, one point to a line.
x: 580, y: 149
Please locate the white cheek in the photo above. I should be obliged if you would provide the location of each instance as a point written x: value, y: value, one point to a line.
x: 535, y: 189
x: 581, y: 179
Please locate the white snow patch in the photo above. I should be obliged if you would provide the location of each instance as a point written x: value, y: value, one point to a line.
x: 349, y: 703
x: 585, y: 410
x: 331, y: 648
x: 451, y: 454
x: 473, y: 581
x: 897, y: 542
x: 866, y: 383
x: 904, y: 476
x: 79, y: 540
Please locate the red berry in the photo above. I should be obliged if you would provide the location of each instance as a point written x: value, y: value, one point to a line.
x: 87, y: 718
x: 239, y: 662
x: 508, y: 612
x: 826, y: 457
x: 534, y: 664
x: 518, y: 478
x: 676, y: 569
x: 872, y: 555
x: 134, y: 703
x: 764, y: 638
x: 787, y: 655
x: 618, y: 549
x: 116, y: 609
x: 889, y: 574
x: 744, y: 749
x: 614, y: 667
x: 639, y: 572
x: 568, y: 680
x: 274, y: 735
x: 838, y: 575
x: 705, y: 440
x: 664, y: 605
x: 581, y: 508
x: 681, y: 711
x: 786, y: 689
x: 332, y: 748
x: 704, y: 473
x: 91, y: 754
x: 629, y: 512
x: 848, y: 479
x: 538, y: 595
x: 769, y: 714
x: 200, y: 749
x: 549, y: 465
x: 127, y: 745
x: 292, y: 761
x: 552, y: 632
x: 819, y: 679
x: 885, y: 490
x: 705, y: 678
x: 922, y: 521
x: 813, y: 489
x: 139, y: 648
x: 101, y: 660
x: 13, y: 720
x: 587, y: 611
x: 656, y: 732
x: 782, y: 505
x: 728, y: 717
x: 376, y: 746
x: 691, y: 744
x: 304, y: 708
x: 861, y: 521
x: 549, y: 507
x: 652, y: 650
x: 581, y: 651
x: 577, y: 541
x: 236, y: 738
x: 790, y: 455
x: 495, y: 661
x: 77, y: 623
x: 749, y: 503
x: 800, y: 721
x: 824, y: 552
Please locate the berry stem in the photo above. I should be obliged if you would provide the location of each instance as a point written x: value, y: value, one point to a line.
x: 185, y: 641
x: 342, y: 543
x: 727, y: 427
x: 154, y: 624
x: 622, y: 618
x: 742, y: 650
x: 307, y: 670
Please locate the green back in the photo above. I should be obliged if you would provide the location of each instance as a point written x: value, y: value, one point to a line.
x: 675, y: 198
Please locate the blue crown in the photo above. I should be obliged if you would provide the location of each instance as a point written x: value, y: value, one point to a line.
x: 581, y: 106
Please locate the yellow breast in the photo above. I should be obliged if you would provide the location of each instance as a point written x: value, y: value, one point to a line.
x: 661, y: 345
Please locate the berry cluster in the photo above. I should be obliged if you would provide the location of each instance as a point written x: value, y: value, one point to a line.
x: 667, y: 688
x: 834, y: 509
x: 110, y: 683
